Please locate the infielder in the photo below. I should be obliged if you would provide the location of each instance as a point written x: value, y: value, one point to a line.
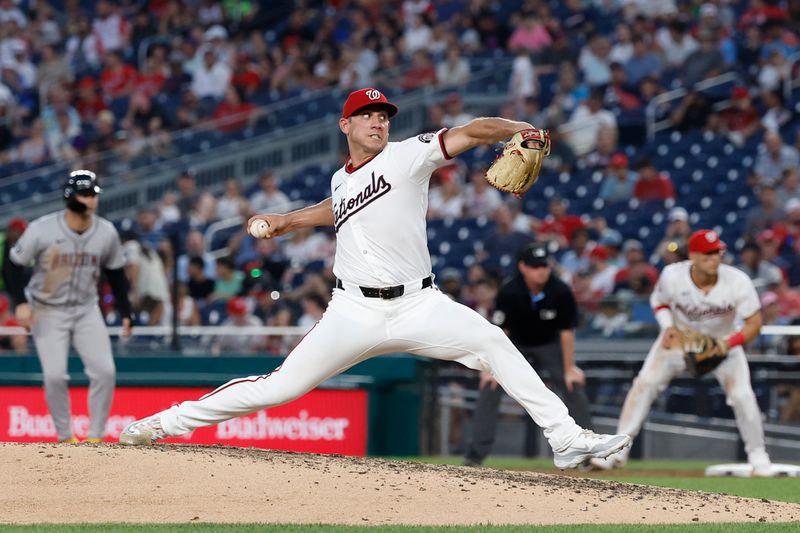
x: 385, y: 300
x: 60, y: 304
x: 704, y: 295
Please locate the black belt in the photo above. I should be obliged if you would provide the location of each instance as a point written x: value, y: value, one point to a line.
x: 386, y: 293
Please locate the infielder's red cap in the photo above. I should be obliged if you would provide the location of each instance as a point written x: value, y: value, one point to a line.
x: 705, y: 241
x: 364, y: 97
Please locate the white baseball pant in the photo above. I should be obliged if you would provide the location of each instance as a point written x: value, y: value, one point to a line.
x: 354, y: 328
x: 661, y: 366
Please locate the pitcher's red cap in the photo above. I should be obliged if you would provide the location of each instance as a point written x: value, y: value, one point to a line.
x: 364, y: 97
x: 705, y: 241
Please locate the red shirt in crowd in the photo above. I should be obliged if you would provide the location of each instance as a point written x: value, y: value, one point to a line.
x: 659, y: 188
x: 119, y: 82
x: 565, y: 225
x: 225, y: 109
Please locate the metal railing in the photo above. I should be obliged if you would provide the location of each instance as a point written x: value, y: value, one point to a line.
x: 791, y: 83
x: 651, y: 112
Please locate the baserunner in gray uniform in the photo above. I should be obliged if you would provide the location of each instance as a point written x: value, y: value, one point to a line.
x: 59, y: 303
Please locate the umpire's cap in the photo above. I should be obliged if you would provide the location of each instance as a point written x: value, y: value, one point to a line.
x: 81, y: 181
x: 534, y: 254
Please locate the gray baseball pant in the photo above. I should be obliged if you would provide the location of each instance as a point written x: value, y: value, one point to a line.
x: 53, y: 329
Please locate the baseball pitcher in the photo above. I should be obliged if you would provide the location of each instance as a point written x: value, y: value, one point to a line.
x: 59, y: 303
x: 385, y: 300
x: 697, y: 304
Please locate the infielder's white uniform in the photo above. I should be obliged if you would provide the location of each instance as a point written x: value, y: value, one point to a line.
x: 379, y: 216
x: 715, y: 314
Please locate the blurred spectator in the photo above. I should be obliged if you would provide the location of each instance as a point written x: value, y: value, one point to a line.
x: 89, y: 103
x: 568, y: 95
x: 229, y: 281
x: 313, y: 306
x: 652, y: 184
x: 776, y: 158
x: 117, y: 79
x: 603, y: 274
x: 766, y: 213
x: 269, y: 198
x: 595, y: 61
x: 232, y: 203
x: 187, y: 192
x: 199, y: 286
x: 83, y: 49
x: 454, y: 70
x: 619, y: 92
x: 16, y: 227
x: 576, y: 257
x: 775, y: 115
x: 141, y: 111
x: 789, y: 187
x: 522, y: 84
x: 52, y: 70
x: 449, y: 282
x: 643, y: 62
x: 529, y: 35
x: 239, y: 316
x: 233, y: 113
x: 17, y: 344
x: 558, y: 53
x: 675, y: 43
x: 619, y: 181
x: 149, y: 289
x: 775, y: 72
x: 692, y: 113
x: 279, y: 344
x: 454, y: 114
x: 622, y: 50
x: 742, y: 120
x: 306, y: 245
x: 422, y: 72
x: 609, y: 321
x: 196, y: 247
x: 676, y: 234
x: 480, y: 198
x: 204, y: 212
x: 504, y: 241
x: 637, y: 276
x: 704, y: 62
x: 788, y: 298
x: 211, y: 79
x: 604, y: 151
x: 584, y: 124
x: 149, y: 233
x: 112, y: 30
x: 559, y: 225
x: 446, y: 200
x: 761, y: 272
x: 33, y: 149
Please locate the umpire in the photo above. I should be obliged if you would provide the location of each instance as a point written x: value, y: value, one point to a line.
x: 538, y: 312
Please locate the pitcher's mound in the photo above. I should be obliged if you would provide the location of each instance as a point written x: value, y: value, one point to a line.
x: 108, y: 483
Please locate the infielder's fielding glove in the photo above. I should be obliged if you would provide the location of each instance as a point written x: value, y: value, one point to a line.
x: 517, y: 168
x: 701, y: 352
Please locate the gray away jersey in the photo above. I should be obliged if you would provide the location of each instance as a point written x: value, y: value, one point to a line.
x: 67, y: 264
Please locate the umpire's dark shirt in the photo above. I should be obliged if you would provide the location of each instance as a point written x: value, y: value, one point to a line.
x: 535, y: 319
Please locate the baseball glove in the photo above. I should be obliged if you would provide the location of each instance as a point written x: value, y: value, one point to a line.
x: 701, y: 352
x: 517, y: 167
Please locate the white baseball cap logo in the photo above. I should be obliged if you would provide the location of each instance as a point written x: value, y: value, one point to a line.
x: 373, y: 94
x: 711, y: 236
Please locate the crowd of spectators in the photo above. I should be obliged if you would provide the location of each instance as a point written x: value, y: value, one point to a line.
x: 93, y: 77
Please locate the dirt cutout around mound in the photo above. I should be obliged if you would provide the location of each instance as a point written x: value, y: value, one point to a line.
x: 51, y: 483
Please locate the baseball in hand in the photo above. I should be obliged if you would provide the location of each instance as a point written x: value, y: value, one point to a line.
x: 258, y: 228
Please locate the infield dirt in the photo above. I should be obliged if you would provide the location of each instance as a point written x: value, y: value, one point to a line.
x: 52, y: 483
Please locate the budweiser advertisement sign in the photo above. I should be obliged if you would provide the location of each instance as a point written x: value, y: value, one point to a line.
x: 322, y: 421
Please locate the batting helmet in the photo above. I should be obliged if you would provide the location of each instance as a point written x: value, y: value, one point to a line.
x: 80, y: 182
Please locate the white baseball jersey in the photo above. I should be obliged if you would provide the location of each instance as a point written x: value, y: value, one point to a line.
x: 379, y: 213
x: 714, y: 313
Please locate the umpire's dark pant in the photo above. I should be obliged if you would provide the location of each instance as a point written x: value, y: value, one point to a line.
x: 547, y: 358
